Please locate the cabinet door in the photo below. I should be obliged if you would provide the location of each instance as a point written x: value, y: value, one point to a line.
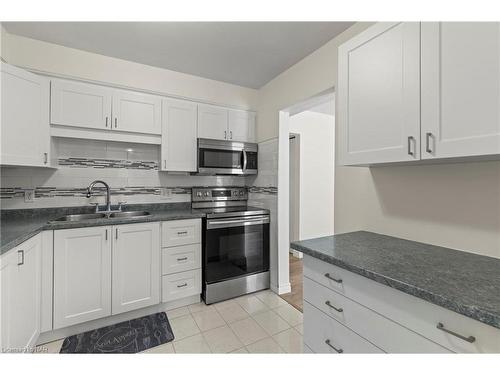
x: 82, y: 275
x: 136, y: 266
x: 378, y: 95
x: 212, y: 122
x: 136, y: 112
x: 80, y: 104
x: 20, y: 272
x: 241, y: 126
x: 178, y: 137
x: 460, y: 89
x: 25, y: 138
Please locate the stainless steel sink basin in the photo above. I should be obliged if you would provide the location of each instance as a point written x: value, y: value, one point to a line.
x: 100, y: 215
x: 81, y: 217
x: 126, y: 214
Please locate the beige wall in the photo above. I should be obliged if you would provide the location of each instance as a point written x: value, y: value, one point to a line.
x: 54, y: 59
x: 453, y: 205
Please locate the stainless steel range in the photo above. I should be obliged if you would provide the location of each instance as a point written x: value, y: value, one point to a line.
x: 235, y: 243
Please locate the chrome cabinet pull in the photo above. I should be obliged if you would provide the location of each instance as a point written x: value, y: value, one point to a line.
x: 181, y: 259
x: 116, y: 233
x: 327, y: 275
x: 410, y: 140
x: 182, y: 233
x: 20, y: 257
x: 230, y: 134
x: 428, y: 137
x: 106, y: 234
x: 340, y: 309
x: 327, y: 342
x: 470, y: 339
x: 225, y: 134
x: 182, y: 285
x: 45, y: 158
x: 106, y: 121
x: 116, y: 122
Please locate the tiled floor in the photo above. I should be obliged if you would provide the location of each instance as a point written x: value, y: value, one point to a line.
x: 256, y: 323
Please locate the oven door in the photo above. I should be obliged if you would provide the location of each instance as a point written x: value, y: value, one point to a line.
x: 236, y: 247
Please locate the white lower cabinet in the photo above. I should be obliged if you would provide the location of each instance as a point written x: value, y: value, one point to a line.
x: 181, y: 285
x: 136, y: 266
x: 20, y: 275
x: 82, y: 275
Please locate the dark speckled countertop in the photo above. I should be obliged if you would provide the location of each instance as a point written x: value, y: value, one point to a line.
x: 466, y: 283
x: 16, y: 226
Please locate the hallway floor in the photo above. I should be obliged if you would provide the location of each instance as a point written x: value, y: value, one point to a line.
x: 295, y: 297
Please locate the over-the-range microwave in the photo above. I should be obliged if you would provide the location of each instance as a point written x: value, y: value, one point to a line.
x: 226, y: 157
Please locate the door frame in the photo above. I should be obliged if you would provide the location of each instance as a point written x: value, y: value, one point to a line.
x: 294, y: 208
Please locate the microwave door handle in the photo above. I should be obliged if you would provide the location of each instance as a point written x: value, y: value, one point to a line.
x: 245, y: 161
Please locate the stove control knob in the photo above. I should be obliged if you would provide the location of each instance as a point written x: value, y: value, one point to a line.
x: 198, y: 194
x: 207, y: 194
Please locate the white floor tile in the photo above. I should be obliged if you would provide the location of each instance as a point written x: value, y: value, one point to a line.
x: 184, y: 326
x: 160, y: 349
x: 175, y: 313
x: 231, y: 312
x: 222, y: 340
x: 200, y: 307
x: 290, y: 314
x: 252, y: 304
x: 290, y: 340
x: 248, y: 331
x: 300, y: 328
x: 271, y: 299
x: 242, y: 350
x: 208, y: 319
x: 267, y: 345
x: 193, y: 344
x: 271, y: 322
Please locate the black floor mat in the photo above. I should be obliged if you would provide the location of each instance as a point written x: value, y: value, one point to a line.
x: 132, y: 336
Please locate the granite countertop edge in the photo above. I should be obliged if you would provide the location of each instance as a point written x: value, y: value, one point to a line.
x: 472, y: 312
x: 51, y: 225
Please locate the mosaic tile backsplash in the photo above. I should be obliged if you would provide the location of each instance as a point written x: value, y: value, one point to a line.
x: 107, y: 163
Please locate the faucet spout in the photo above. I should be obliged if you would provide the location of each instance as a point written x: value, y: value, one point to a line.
x: 108, y: 193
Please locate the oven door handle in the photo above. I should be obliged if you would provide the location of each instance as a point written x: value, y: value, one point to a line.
x: 245, y: 161
x: 258, y: 220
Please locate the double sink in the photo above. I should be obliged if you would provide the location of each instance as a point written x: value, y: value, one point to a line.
x: 103, y: 215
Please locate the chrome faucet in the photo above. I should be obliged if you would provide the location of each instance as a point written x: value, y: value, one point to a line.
x: 108, y: 194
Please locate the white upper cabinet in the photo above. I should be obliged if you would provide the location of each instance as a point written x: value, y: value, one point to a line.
x: 20, y: 275
x: 241, y: 126
x: 378, y: 95
x: 80, y: 104
x: 25, y: 138
x: 212, y: 122
x: 82, y: 275
x: 179, y: 135
x: 136, y: 266
x: 136, y: 112
x: 460, y: 89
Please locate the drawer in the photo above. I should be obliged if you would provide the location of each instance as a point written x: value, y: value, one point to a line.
x: 319, y: 329
x: 367, y: 323
x: 180, y: 232
x: 180, y: 258
x: 180, y: 285
x: 411, y: 312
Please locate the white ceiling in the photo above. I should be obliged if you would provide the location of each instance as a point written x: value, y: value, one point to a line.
x: 248, y: 54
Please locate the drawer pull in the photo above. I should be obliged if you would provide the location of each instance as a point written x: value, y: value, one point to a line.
x: 20, y: 257
x: 327, y: 275
x: 182, y: 285
x: 470, y: 339
x: 327, y: 342
x: 181, y: 259
x: 182, y: 233
x: 340, y: 309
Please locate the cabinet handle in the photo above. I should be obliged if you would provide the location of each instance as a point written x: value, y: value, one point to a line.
x: 327, y: 342
x: 327, y: 275
x: 230, y: 134
x: 106, y: 234
x: 182, y: 233
x: 106, y: 121
x: 428, y: 137
x: 225, y: 134
x: 339, y: 309
x: 165, y: 164
x: 116, y: 122
x: 470, y: 339
x: 116, y: 233
x: 45, y: 158
x: 20, y: 257
x: 181, y: 259
x: 182, y: 285
x: 410, y: 140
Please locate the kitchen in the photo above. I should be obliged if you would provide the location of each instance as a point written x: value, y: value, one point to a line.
x: 146, y: 192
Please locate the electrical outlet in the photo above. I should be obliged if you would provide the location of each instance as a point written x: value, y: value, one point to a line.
x: 29, y: 196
